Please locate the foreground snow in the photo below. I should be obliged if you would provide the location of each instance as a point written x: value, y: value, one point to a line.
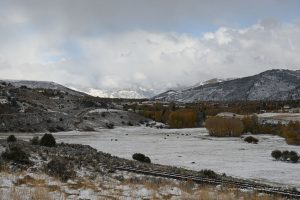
x: 195, y: 149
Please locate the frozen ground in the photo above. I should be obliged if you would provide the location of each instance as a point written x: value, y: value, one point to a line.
x: 279, y: 117
x: 194, y: 149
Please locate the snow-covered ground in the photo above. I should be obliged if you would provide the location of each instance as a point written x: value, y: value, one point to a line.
x: 182, y: 147
x: 281, y: 116
x: 195, y: 149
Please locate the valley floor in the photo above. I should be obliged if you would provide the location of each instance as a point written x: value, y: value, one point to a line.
x: 195, y: 149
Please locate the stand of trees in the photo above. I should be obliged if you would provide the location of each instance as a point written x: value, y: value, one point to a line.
x: 221, y: 127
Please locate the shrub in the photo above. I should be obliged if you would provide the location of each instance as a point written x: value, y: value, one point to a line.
x: 138, y: 157
x: 48, y: 140
x: 60, y: 168
x: 147, y: 160
x: 11, y: 138
x: 1, y: 164
x: 141, y: 157
x: 88, y: 128
x: 129, y: 123
x: 294, y: 158
x: 291, y: 133
x: 60, y: 128
x: 293, y: 153
x: 251, y: 139
x: 52, y: 129
x: 285, y: 155
x: 208, y: 173
x: 35, y: 140
x: 224, y: 127
x: 276, y: 154
x: 110, y: 125
x: 16, y: 154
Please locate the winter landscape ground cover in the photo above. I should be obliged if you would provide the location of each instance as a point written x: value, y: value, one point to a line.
x: 195, y: 149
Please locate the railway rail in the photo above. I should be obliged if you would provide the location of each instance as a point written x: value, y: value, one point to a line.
x: 291, y: 194
x: 242, y: 184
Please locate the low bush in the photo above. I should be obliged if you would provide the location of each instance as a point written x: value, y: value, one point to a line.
x: 129, y: 123
x: 48, y: 140
x: 35, y: 140
x: 141, y: 157
x: 224, y: 127
x: 293, y: 153
x: 1, y: 164
x: 147, y: 160
x: 60, y: 128
x: 110, y: 125
x: 60, y: 168
x: 294, y: 158
x: 88, y: 128
x: 17, y: 154
x: 11, y: 138
x: 208, y: 173
x: 138, y: 156
x: 251, y: 139
x: 291, y: 156
x: 285, y: 155
x: 52, y: 129
x: 276, y: 154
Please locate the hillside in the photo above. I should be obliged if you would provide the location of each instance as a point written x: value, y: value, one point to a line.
x: 35, y: 106
x: 268, y: 85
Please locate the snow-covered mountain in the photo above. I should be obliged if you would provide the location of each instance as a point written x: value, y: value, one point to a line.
x: 128, y: 93
x: 268, y: 85
x: 134, y: 92
x: 210, y: 81
x: 44, y: 85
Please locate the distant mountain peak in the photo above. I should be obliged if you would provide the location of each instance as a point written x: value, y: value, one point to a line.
x: 268, y: 85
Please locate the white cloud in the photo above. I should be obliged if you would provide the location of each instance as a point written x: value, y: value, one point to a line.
x: 151, y: 59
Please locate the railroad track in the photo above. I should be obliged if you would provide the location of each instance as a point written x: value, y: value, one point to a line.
x: 291, y: 194
x: 263, y: 188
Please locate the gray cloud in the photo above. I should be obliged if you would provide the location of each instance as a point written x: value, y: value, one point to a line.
x: 151, y: 43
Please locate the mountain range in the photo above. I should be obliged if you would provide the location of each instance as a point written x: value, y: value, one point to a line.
x: 268, y: 85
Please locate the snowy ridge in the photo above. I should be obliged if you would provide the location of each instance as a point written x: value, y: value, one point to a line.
x: 127, y: 93
x: 269, y: 85
x: 43, y: 85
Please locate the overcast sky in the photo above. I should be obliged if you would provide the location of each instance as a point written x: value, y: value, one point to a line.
x: 152, y: 43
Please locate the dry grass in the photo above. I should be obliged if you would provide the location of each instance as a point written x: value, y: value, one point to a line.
x: 83, y: 184
x: 191, y: 190
x: 210, y: 193
x: 105, y: 188
x: 41, y: 193
x: 28, y: 180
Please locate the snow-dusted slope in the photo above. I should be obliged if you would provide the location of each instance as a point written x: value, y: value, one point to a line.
x: 269, y: 85
x: 127, y: 93
x: 43, y: 85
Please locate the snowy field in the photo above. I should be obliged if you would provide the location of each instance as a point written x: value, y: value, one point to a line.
x: 195, y: 149
x: 279, y: 117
